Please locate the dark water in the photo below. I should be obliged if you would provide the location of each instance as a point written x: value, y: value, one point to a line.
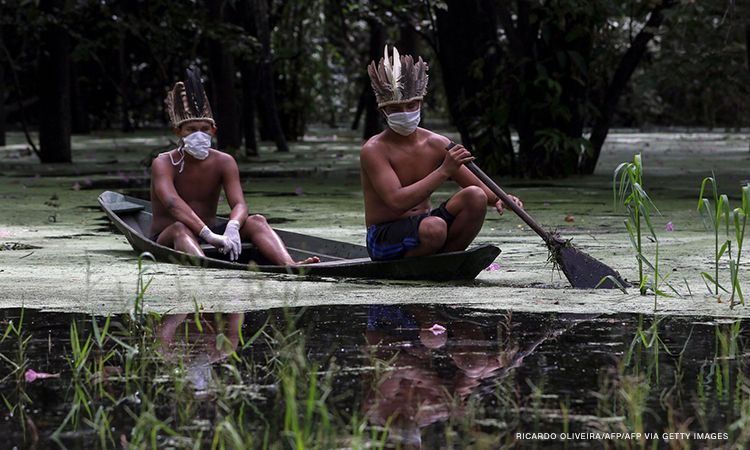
x: 432, y: 376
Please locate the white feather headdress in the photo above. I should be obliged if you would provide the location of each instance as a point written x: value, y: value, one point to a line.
x: 188, y: 101
x: 398, y: 79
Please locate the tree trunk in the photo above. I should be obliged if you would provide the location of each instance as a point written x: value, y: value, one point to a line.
x: 408, y: 41
x: 249, y: 73
x: 224, y: 104
x: 54, y: 87
x: 3, y: 93
x: 550, y: 138
x: 289, y: 73
x: 488, y: 137
x: 625, y: 69
x: 80, y: 123
x: 249, y: 95
x: 373, y: 117
x: 361, y: 103
x: 123, y: 72
x: 266, y: 95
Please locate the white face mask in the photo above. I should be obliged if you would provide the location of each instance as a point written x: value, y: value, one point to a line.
x: 404, y: 123
x: 197, y: 144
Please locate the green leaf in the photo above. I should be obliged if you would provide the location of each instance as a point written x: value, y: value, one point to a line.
x: 614, y: 281
x: 723, y: 249
x: 707, y: 276
x: 701, y: 200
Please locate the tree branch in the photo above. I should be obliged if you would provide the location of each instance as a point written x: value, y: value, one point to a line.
x: 19, y: 101
x: 627, y: 65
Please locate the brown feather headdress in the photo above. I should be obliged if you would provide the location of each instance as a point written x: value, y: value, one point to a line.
x: 188, y: 101
x: 398, y: 80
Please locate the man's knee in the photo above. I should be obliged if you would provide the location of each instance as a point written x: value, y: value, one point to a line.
x: 179, y: 230
x: 179, y: 236
x: 180, y: 227
x: 474, y: 196
x: 433, y: 231
x: 256, y: 222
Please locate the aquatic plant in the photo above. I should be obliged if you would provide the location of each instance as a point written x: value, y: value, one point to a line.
x: 628, y: 192
x: 713, y: 210
x: 19, y: 402
x: 739, y: 220
x: 136, y: 312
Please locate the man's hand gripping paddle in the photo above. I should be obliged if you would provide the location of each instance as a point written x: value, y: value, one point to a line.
x: 581, y: 270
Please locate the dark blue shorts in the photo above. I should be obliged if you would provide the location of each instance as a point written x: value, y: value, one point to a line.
x: 391, y: 240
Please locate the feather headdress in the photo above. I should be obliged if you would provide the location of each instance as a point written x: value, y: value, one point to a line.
x: 398, y: 80
x: 188, y: 101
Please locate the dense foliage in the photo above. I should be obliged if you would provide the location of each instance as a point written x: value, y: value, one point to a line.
x: 556, y: 74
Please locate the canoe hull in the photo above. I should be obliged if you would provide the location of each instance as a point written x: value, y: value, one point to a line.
x: 132, y: 217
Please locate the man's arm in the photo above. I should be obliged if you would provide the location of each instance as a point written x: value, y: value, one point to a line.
x: 163, y: 179
x: 233, y: 190
x: 463, y: 177
x: 402, y: 198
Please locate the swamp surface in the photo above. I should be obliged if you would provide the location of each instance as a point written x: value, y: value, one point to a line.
x: 520, y: 350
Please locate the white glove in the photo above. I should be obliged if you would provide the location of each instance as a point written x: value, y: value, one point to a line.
x: 232, y: 233
x: 220, y: 242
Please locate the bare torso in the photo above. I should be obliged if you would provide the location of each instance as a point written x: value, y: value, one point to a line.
x: 410, y: 163
x: 199, y: 185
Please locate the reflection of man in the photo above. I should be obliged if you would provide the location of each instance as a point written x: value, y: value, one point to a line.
x: 413, y: 392
x: 199, y: 342
x: 186, y: 183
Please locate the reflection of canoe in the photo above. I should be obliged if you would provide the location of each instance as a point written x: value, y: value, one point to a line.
x: 132, y: 217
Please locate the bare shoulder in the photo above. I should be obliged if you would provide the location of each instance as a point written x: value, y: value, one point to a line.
x: 373, y: 148
x: 160, y: 161
x: 224, y: 160
x: 435, y: 140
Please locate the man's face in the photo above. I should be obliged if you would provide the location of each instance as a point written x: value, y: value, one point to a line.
x: 403, y: 107
x: 191, y: 127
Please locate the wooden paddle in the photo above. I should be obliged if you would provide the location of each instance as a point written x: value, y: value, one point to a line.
x: 581, y: 270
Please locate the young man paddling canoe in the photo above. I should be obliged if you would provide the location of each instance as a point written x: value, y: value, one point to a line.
x: 186, y: 183
x: 402, y: 166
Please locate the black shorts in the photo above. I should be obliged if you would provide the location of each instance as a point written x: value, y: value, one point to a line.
x: 391, y: 240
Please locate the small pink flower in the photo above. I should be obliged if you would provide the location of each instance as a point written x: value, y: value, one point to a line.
x: 32, y: 375
x: 669, y: 226
x: 76, y: 186
x: 437, y: 329
x: 4, y: 233
x: 493, y: 267
x: 298, y: 190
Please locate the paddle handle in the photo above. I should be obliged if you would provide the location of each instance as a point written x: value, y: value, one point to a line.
x: 497, y: 190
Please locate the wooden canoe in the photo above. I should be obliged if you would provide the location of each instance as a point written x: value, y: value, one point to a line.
x: 132, y: 217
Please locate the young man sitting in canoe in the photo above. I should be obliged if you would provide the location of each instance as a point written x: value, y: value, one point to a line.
x: 186, y: 183
x: 402, y: 166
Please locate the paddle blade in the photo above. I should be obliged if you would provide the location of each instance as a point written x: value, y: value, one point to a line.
x: 584, y: 271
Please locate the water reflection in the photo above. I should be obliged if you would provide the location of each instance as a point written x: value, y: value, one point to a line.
x: 431, y: 361
x: 411, y: 376
x: 197, y: 342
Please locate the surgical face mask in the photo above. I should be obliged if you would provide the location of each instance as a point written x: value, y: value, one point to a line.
x: 197, y: 144
x: 404, y: 123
